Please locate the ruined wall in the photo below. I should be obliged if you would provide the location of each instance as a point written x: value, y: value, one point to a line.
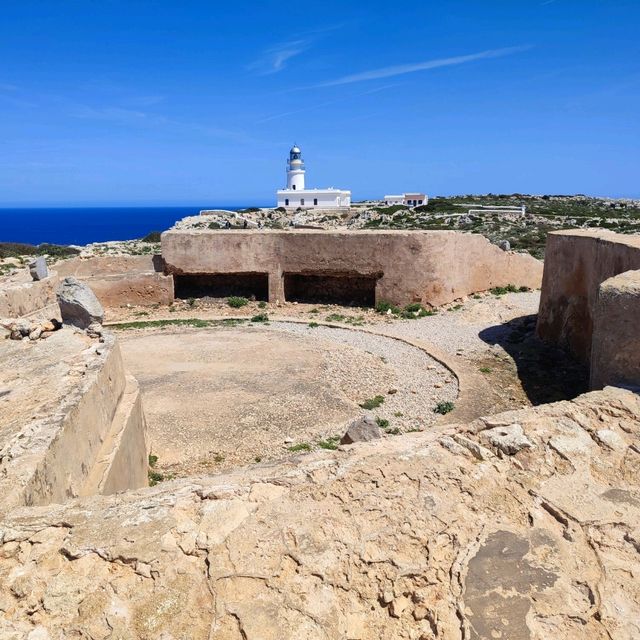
x: 576, y: 263
x: 433, y: 267
x: 74, y: 425
x: 21, y: 297
x: 118, y: 280
x: 615, y: 352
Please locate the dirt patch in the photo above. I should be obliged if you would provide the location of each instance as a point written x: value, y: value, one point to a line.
x: 230, y: 396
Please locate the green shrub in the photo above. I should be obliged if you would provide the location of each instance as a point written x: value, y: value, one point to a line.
x: 303, y: 446
x: 237, y: 301
x: 153, y: 236
x: 153, y: 460
x: 330, y: 443
x: 383, y: 307
x: 313, y: 325
x: 383, y: 423
x: 261, y: 317
x: 415, y: 310
x: 262, y: 304
x: 444, y: 407
x: 372, y: 403
x: 485, y: 369
x: 500, y: 291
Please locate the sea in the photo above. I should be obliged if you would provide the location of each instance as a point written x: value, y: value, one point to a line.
x: 83, y: 225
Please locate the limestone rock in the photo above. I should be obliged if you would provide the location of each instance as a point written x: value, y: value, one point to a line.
x: 509, y: 439
x: 78, y: 304
x: 94, y: 330
x: 363, y: 429
x: 38, y: 268
x: 505, y: 245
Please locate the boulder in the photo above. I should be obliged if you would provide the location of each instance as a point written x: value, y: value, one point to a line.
x: 38, y: 268
x: 505, y: 245
x: 508, y: 439
x: 363, y: 429
x: 78, y: 304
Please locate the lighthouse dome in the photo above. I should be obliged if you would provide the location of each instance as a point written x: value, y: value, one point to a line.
x: 295, y: 149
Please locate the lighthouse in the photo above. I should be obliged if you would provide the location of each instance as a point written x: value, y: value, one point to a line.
x: 295, y: 170
x: 296, y: 196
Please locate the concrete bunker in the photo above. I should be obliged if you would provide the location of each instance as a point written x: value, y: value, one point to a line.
x: 253, y: 285
x: 346, y: 288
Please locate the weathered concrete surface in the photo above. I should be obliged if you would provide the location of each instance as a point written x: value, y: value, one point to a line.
x: 615, y: 354
x: 433, y: 267
x: 118, y: 280
x: 61, y: 401
x: 576, y: 263
x: 21, y: 296
x: 438, y: 534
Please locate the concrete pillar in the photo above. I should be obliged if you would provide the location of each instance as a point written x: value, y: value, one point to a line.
x: 615, y: 347
x: 276, y: 286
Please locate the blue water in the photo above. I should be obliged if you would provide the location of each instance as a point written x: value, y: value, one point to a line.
x: 89, y: 224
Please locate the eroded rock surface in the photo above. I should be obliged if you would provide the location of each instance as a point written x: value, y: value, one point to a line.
x: 412, y: 537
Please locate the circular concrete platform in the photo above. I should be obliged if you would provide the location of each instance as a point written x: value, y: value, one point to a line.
x: 222, y: 397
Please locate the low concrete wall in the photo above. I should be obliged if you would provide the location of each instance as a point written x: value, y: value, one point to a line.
x: 576, y: 263
x: 94, y: 430
x: 433, y: 267
x: 615, y: 352
x: 118, y: 280
x: 21, y: 296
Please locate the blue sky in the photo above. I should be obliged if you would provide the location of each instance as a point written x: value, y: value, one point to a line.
x: 197, y: 102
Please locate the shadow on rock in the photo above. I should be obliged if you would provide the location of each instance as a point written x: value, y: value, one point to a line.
x: 547, y: 373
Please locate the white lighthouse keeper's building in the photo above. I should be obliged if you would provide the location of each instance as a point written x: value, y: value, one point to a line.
x: 296, y: 196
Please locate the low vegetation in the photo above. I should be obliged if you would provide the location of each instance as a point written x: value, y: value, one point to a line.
x: 152, y: 237
x: 444, y: 407
x: 197, y: 323
x: 372, y: 403
x: 296, y: 448
x: 18, y: 249
x: 409, y: 312
x: 236, y: 302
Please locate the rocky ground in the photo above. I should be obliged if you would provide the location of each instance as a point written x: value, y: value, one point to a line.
x: 521, y: 526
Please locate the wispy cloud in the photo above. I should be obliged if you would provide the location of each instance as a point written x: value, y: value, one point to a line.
x: 132, y: 117
x: 402, y: 69
x: 542, y: 4
x: 321, y: 105
x: 275, y: 58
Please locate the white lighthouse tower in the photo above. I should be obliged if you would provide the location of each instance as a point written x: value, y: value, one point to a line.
x: 295, y: 170
x: 296, y: 196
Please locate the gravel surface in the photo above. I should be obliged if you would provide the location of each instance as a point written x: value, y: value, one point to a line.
x: 472, y: 328
x: 418, y: 385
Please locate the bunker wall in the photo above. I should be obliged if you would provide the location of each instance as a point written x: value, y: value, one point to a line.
x: 432, y: 267
x: 118, y: 280
x: 615, y: 352
x: 576, y: 263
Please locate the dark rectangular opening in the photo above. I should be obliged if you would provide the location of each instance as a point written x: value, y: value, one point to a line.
x: 347, y: 289
x: 222, y: 285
